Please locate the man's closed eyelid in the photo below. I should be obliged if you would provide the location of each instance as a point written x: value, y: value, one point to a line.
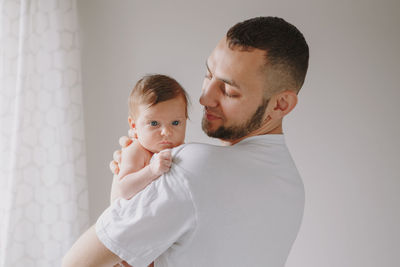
x: 232, y: 95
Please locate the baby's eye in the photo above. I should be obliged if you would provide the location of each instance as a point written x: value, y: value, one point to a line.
x: 154, y: 123
x: 175, y: 122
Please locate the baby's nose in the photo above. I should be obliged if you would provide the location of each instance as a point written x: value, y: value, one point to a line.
x: 166, y: 131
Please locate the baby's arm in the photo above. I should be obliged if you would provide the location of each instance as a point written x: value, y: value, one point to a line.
x: 135, y: 174
x: 133, y: 158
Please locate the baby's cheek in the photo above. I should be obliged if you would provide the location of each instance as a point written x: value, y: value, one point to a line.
x: 180, y: 141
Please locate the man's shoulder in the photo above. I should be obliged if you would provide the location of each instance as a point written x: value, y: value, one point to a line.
x: 196, y: 158
x: 195, y: 150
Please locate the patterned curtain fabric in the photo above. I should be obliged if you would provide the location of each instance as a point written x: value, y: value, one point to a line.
x: 43, y: 187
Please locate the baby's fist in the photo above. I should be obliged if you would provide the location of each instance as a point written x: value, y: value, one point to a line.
x: 161, y: 163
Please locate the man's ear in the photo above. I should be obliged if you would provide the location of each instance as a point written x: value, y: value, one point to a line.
x: 282, y: 103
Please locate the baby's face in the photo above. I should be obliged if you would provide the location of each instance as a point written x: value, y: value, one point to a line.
x: 161, y: 126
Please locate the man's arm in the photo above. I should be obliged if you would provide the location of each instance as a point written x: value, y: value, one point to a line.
x: 138, y: 230
x: 88, y: 251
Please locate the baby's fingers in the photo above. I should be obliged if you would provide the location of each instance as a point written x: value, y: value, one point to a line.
x: 165, y: 154
x: 167, y: 162
x: 114, y: 167
x: 166, y: 157
x: 125, y: 141
x: 117, y: 156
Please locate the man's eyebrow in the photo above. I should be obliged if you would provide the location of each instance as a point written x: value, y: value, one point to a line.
x: 227, y: 81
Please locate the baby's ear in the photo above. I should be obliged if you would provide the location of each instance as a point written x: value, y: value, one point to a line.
x: 132, y: 128
x: 131, y: 122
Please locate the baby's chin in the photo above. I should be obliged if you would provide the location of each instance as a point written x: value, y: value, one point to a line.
x: 166, y: 146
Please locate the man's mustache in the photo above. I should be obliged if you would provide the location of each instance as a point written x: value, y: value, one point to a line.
x: 214, y: 112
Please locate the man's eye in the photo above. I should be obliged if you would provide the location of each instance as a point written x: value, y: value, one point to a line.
x: 230, y: 95
x: 154, y: 123
x: 175, y: 122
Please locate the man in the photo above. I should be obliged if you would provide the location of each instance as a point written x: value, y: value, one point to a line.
x: 234, y: 205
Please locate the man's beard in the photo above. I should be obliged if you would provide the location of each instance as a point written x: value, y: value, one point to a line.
x: 237, y: 131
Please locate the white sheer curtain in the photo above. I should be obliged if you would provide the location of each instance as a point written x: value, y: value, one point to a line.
x: 43, y: 188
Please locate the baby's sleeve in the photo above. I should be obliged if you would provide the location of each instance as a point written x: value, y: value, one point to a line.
x: 140, y: 229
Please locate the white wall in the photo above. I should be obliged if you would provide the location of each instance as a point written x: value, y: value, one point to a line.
x: 344, y: 134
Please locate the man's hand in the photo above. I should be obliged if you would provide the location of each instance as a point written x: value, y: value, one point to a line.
x: 161, y: 163
x: 124, y: 141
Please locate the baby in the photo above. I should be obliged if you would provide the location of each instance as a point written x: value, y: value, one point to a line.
x: 157, y: 116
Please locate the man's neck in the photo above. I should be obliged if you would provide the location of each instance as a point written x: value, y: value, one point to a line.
x: 277, y: 130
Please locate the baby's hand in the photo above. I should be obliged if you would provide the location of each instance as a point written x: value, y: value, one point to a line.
x: 124, y: 142
x: 161, y: 163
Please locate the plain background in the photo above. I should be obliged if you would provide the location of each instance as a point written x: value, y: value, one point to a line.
x: 343, y: 135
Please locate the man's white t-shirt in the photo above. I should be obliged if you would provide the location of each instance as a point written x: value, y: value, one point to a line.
x: 237, y: 205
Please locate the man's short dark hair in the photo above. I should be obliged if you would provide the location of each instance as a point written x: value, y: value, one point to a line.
x: 286, y: 49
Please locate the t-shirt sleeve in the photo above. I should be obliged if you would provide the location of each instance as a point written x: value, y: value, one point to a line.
x: 140, y: 229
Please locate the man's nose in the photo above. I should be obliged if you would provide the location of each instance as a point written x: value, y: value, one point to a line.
x: 209, y: 94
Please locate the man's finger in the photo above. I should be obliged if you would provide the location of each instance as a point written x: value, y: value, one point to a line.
x: 124, y: 141
x: 117, y: 156
x: 125, y: 264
